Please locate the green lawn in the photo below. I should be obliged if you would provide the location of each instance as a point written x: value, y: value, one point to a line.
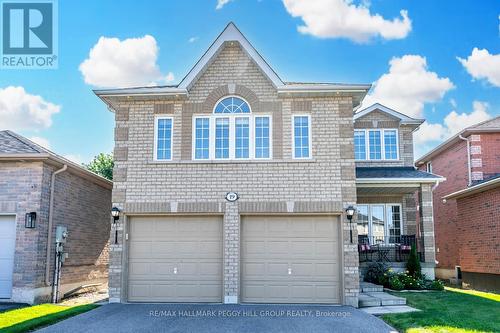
x: 448, y: 311
x: 29, y: 318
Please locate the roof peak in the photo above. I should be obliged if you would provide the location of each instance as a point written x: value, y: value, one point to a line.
x: 377, y: 106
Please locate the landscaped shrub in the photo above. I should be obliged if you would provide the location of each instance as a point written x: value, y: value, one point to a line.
x: 395, y: 282
x: 413, y: 265
x: 411, y: 283
x: 375, y: 273
x: 435, y: 285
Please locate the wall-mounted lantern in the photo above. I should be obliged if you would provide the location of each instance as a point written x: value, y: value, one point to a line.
x: 115, y: 212
x: 349, y: 214
x: 30, y: 220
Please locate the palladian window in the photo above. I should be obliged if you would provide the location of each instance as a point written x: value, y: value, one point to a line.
x: 232, y: 132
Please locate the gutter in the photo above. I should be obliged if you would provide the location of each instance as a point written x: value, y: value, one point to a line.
x: 398, y: 180
x: 469, y: 171
x: 49, y: 230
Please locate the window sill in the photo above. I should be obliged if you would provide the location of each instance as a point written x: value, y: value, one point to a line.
x: 269, y: 161
x: 378, y: 161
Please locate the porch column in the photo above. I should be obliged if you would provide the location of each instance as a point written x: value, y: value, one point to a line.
x: 427, y: 223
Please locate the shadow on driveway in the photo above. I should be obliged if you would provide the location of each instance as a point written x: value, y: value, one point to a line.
x: 121, y: 318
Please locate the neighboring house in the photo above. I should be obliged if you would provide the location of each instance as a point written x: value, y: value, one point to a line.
x: 467, y: 159
x: 286, y: 150
x: 56, y: 192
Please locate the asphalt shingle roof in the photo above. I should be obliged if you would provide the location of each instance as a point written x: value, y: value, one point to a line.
x: 11, y: 144
x: 392, y: 172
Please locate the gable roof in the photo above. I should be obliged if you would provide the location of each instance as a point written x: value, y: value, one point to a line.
x: 489, y: 184
x: 15, y: 147
x: 488, y: 126
x: 379, y: 107
x: 232, y: 34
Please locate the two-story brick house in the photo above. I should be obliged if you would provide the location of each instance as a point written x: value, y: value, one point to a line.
x: 467, y: 239
x: 233, y: 184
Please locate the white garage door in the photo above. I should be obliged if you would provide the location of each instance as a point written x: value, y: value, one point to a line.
x: 175, y: 259
x: 7, y: 249
x: 289, y: 259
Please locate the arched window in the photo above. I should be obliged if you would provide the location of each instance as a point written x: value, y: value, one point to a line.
x: 232, y: 132
x: 232, y: 105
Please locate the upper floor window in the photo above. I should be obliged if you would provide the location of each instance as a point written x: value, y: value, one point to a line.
x: 163, y: 138
x: 376, y: 144
x: 428, y: 167
x: 301, y: 136
x: 232, y: 132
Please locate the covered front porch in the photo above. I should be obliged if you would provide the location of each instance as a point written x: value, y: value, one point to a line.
x: 394, y: 213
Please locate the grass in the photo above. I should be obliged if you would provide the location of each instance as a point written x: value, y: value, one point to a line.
x: 30, y: 318
x: 449, y: 311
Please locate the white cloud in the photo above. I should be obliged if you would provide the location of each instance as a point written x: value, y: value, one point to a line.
x: 429, y: 134
x: 408, y: 86
x: 344, y: 19
x: 20, y: 110
x: 122, y: 63
x: 193, y: 39
x: 170, y: 77
x: 41, y: 141
x: 75, y: 158
x: 483, y: 65
x: 222, y: 3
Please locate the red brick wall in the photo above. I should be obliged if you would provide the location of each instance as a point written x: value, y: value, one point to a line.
x: 490, y: 154
x: 451, y: 164
x: 479, y: 231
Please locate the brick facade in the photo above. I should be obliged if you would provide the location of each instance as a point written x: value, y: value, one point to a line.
x: 79, y: 204
x: 452, y: 164
x: 323, y: 185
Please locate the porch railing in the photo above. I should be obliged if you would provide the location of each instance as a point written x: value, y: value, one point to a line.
x: 388, y: 248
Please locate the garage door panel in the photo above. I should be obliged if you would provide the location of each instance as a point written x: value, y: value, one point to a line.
x: 177, y: 259
x: 300, y: 263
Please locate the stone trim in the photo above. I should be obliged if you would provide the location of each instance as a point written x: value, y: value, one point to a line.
x: 122, y: 114
x: 121, y: 154
x: 163, y: 108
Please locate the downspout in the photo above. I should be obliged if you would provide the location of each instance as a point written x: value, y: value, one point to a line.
x: 468, y: 159
x: 49, y: 230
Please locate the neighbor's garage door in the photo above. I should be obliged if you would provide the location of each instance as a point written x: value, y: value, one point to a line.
x: 289, y: 259
x: 7, y: 249
x: 175, y: 259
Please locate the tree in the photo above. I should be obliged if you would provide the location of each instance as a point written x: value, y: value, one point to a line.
x: 413, y: 265
x: 102, y: 164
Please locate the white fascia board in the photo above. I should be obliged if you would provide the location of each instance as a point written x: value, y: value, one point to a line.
x: 398, y: 180
x: 377, y: 106
x: 141, y: 92
x: 349, y: 88
x: 229, y: 34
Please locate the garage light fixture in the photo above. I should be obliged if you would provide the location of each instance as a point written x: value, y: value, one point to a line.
x: 349, y: 214
x: 30, y: 220
x: 115, y: 212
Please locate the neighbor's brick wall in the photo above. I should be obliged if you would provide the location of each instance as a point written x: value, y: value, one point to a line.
x: 377, y: 119
x: 327, y: 182
x: 451, y: 164
x: 20, y: 193
x: 486, y: 158
x: 479, y: 216
x: 84, y: 208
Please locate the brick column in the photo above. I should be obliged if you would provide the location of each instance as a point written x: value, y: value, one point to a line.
x: 231, y: 253
x: 115, y: 262
x: 427, y: 222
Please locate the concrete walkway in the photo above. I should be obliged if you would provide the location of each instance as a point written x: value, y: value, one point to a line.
x: 123, y: 318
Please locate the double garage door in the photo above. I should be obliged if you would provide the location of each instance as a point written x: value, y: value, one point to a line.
x: 284, y: 259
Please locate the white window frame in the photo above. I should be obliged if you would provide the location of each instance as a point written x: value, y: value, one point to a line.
x: 309, y: 134
x: 382, y: 142
x: 232, y: 133
x: 387, y: 233
x: 155, y: 144
x: 428, y: 167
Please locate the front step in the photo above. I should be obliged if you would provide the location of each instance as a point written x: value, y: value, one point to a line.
x: 373, y: 295
x: 367, y: 287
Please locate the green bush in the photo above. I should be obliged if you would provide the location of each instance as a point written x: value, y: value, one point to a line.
x: 435, y: 285
x: 375, y: 273
x: 413, y: 265
x: 411, y: 283
x: 395, y: 282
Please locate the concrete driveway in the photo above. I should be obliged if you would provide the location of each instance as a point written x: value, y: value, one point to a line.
x: 121, y: 318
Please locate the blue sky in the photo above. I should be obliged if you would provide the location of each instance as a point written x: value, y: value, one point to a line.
x: 411, y: 57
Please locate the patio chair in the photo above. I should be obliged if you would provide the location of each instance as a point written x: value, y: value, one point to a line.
x: 404, y: 248
x: 365, y: 248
